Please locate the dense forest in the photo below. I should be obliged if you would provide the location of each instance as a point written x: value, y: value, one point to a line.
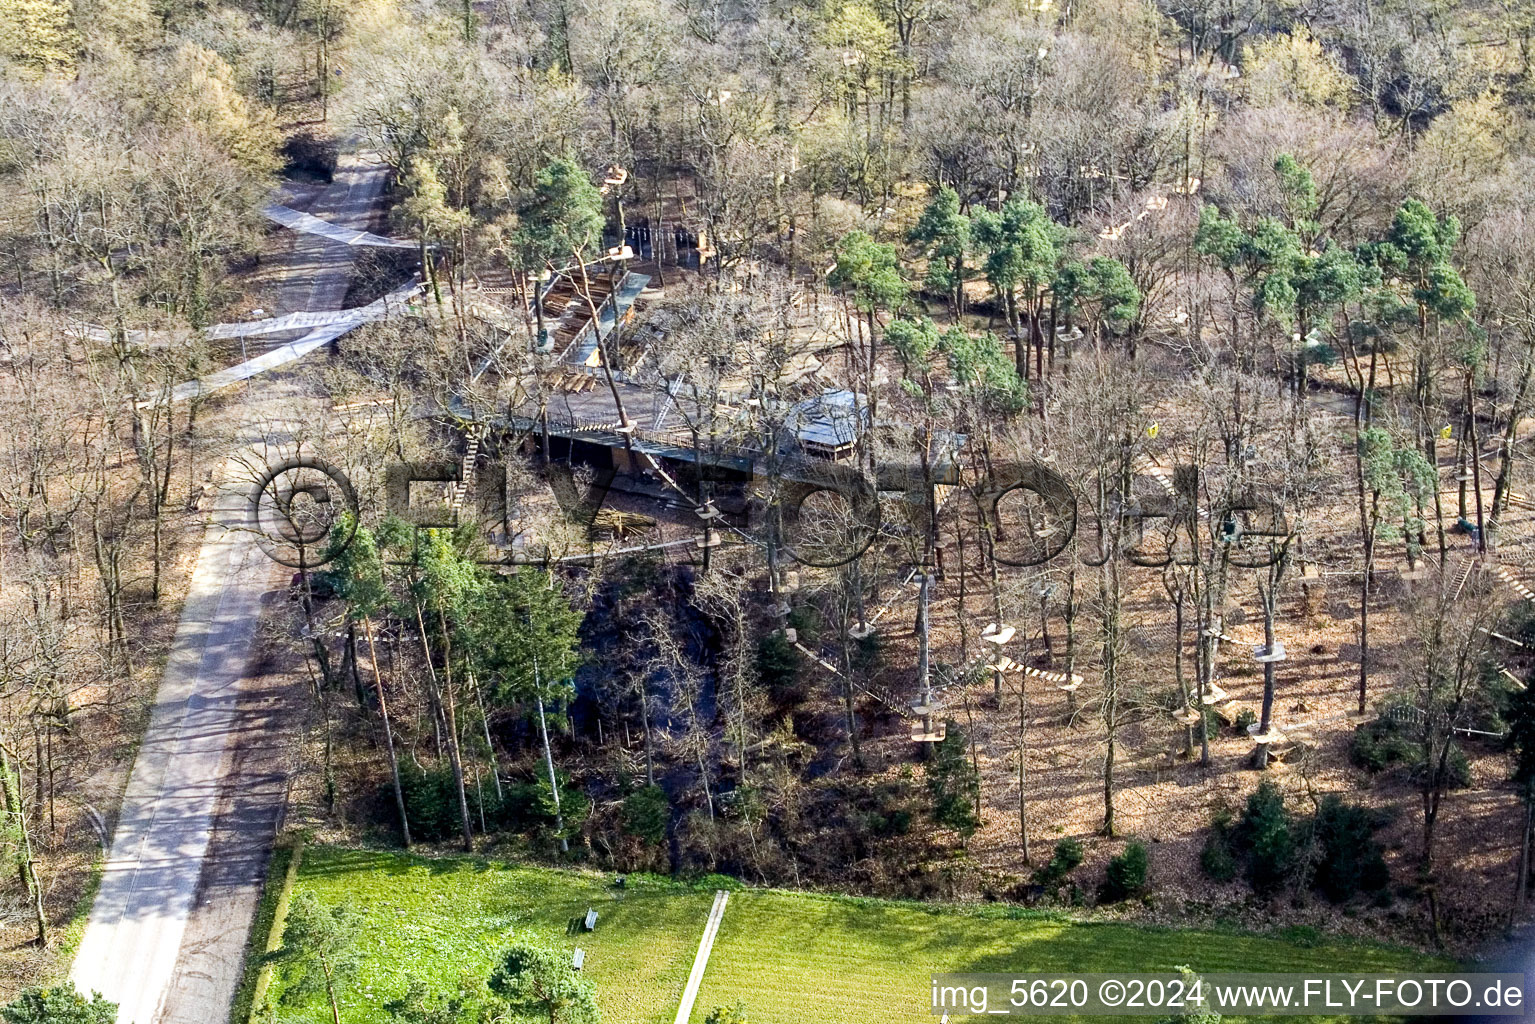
x: 1187, y: 351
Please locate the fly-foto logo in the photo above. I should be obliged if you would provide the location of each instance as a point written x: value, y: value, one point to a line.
x: 818, y: 513
x: 294, y: 509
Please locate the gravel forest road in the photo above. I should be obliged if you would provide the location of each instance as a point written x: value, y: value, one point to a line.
x: 166, y: 936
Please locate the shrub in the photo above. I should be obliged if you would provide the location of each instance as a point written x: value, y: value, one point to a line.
x: 954, y: 784
x: 1193, y: 1011
x: 884, y: 825
x: 431, y: 803
x: 1520, y: 624
x: 1216, y: 859
x: 575, y: 807
x: 884, y: 809
x: 1379, y: 745
x: 1457, y: 768
x: 806, y: 620
x: 744, y: 803
x: 1068, y: 854
x: 778, y: 668
x: 733, y: 1014
x: 60, y: 1004
x: 646, y: 812
x: 1350, y: 860
x: 1244, y: 718
x: 523, y: 805
x: 1126, y: 875
x: 1265, y: 836
x: 1386, y: 743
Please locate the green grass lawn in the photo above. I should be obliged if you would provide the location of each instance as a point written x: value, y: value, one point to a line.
x: 443, y: 920
x: 869, y: 961
x: 790, y: 957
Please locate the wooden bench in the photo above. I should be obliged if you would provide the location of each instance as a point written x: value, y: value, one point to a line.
x: 591, y: 920
x: 578, y: 959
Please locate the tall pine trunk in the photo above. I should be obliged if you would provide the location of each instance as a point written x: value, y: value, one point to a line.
x: 383, y: 712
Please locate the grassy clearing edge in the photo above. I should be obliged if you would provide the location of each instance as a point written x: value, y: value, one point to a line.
x: 977, y: 909
x: 1012, y: 912
x: 266, y: 927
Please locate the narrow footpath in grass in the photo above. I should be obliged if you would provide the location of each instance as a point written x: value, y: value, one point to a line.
x: 789, y: 957
x: 701, y: 961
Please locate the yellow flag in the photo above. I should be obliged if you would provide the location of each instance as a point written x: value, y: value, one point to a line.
x: 1444, y: 432
x: 1151, y: 431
